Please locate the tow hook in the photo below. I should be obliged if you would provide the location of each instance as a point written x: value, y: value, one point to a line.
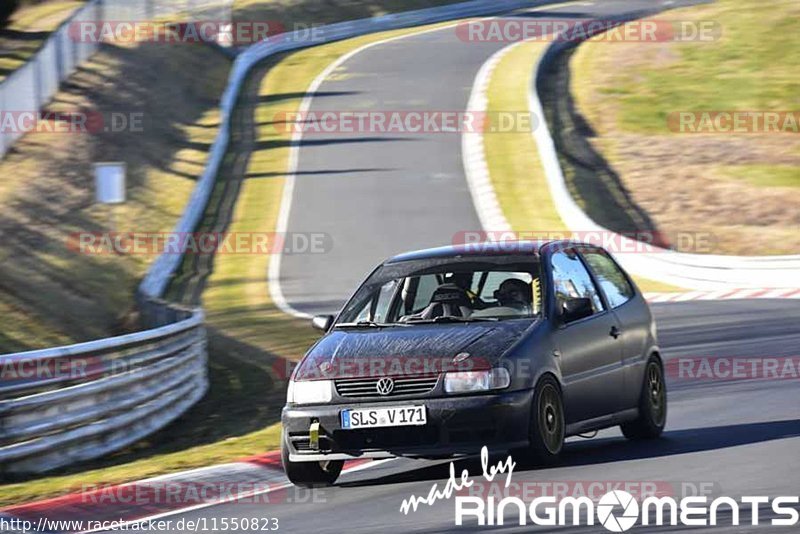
x: 313, y: 436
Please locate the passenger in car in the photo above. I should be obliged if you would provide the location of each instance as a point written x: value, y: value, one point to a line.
x: 514, y: 297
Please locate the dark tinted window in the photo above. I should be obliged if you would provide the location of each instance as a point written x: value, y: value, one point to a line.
x: 614, y: 283
x: 572, y: 280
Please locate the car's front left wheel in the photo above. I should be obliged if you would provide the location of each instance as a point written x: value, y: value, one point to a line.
x: 546, y: 434
x: 310, y: 474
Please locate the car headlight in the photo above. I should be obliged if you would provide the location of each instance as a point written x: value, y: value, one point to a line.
x: 309, y: 392
x: 471, y: 381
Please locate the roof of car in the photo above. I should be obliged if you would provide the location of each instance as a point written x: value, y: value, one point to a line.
x: 485, y: 248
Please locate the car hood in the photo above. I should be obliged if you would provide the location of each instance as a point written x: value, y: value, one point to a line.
x: 414, y: 350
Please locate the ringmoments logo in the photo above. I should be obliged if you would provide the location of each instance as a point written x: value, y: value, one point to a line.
x: 617, y: 510
x: 617, y: 499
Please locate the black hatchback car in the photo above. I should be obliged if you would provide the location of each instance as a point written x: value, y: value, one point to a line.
x: 506, y: 345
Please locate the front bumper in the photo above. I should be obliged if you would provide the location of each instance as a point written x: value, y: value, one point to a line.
x: 455, y: 425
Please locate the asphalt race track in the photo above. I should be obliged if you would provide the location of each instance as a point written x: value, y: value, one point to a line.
x: 377, y: 196
x: 723, y: 438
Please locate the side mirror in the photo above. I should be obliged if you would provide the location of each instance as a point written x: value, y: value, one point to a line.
x: 575, y: 309
x: 322, y: 322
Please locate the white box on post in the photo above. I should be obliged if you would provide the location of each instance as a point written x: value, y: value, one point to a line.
x: 109, y: 182
x: 109, y: 186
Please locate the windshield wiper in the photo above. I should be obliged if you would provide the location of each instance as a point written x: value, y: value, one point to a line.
x: 367, y: 324
x: 451, y: 319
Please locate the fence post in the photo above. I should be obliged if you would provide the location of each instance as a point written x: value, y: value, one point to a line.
x: 37, y: 81
x: 3, y: 110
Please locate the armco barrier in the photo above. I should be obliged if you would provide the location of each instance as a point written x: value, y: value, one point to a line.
x: 63, y: 405
x: 695, y: 271
x: 158, y: 277
x: 30, y: 87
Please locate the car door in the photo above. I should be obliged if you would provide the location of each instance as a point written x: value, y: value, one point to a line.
x: 590, y: 350
x: 633, y: 315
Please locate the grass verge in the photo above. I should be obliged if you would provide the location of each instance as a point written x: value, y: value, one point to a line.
x: 741, y: 188
x: 251, y: 341
x: 50, y: 293
x: 28, y: 29
x: 302, y: 14
x: 515, y: 168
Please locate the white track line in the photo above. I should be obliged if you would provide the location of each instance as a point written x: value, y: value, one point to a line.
x: 275, y: 261
x: 489, y: 212
x: 273, y: 278
x: 473, y: 155
x: 473, y: 152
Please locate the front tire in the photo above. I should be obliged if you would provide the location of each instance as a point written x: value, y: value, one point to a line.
x: 309, y: 474
x: 652, y: 405
x: 546, y: 432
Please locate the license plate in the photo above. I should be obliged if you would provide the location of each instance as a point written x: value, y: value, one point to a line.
x: 379, y: 417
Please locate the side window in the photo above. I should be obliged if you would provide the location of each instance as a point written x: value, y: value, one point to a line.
x: 382, y: 300
x: 572, y: 280
x: 614, y: 283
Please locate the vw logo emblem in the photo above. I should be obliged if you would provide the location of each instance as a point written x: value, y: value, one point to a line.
x: 385, y: 386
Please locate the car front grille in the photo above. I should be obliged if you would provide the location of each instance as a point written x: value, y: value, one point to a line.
x: 368, y: 387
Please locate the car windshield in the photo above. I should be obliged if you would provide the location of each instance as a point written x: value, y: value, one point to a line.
x: 460, y: 289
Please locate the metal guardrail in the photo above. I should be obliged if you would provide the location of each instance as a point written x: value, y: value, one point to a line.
x: 30, y: 87
x: 64, y: 405
x: 695, y: 271
x: 67, y: 404
x: 158, y: 277
x: 90, y: 399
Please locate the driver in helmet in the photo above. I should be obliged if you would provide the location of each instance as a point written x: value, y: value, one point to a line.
x: 464, y: 281
x: 516, y: 294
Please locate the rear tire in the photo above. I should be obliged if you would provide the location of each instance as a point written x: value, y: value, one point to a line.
x: 309, y: 474
x: 546, y: 430
x: 652, y: 405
